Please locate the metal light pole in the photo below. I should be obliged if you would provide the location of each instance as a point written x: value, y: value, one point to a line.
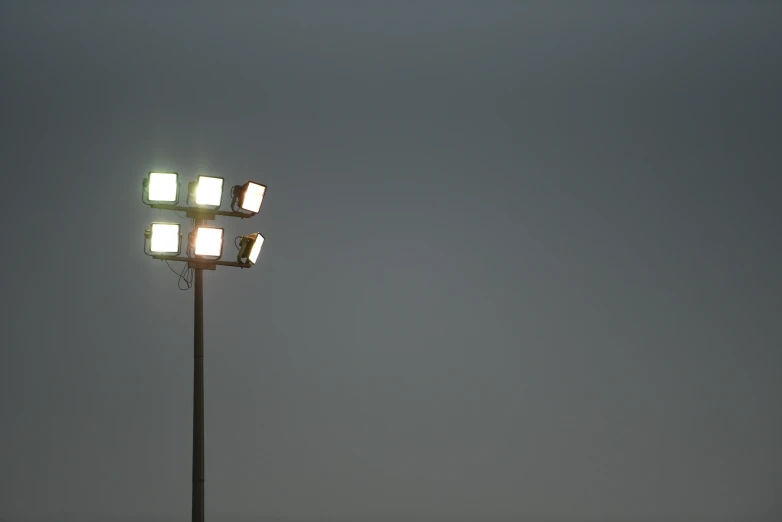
x: 198, y: 398
x: 248, y: 251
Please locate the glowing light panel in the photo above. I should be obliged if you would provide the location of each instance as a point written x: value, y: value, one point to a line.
x: 253, y: 197
x: 209, y: 241
x: 163, y: 186
x: 256, y: 249
x: 209, y: 191
x: 164, y: 238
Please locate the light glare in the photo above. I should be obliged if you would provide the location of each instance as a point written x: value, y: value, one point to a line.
x: 256, y: 249
x: 209, y: 241
x: 162, y: 186
x: 165, y: 238
x: 209, y: 191
x: 253, y: 197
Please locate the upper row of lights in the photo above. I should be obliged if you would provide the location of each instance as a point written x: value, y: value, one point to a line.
x: 207, y: 192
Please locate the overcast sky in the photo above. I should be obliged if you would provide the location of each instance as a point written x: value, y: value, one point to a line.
x: 522, y: 263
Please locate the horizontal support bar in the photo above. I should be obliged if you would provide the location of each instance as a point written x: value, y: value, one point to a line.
x: 206, y: 264
x: 201, y: 213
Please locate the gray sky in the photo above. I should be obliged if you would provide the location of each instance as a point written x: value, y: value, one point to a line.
x: 522, y: 261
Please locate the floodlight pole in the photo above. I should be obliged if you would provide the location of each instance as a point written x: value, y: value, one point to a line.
x: 198, y: 392
x: 198, y: 265
x: 198, y: 398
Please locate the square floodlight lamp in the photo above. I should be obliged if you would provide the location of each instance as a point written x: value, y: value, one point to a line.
x: 163, y: 187
x: 164, y: 238
x: 209, y: 191
x: 209, y: 241
x: 256, y: 248
x: 252, y: 196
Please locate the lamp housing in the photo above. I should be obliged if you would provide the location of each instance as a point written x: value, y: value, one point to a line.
x: 162, y: 187
x: 164, y: 238
x: 250, y: 248
x: 207, y: 191
x: 249, y: 196
x: 208, y: 242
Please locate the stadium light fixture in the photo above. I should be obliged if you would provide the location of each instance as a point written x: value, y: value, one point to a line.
x: 203, y: 250
x: 164, y: 238
x: 208, y: 191
x: 249, y: 196
x: 250, y: 248
x: 162, y: 187
x: 209, y: 242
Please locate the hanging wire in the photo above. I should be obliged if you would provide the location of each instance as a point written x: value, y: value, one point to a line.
x: 185, y: 276
x: 169, y: 267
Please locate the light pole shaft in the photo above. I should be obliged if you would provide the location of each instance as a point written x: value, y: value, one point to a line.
x: 198, y: 399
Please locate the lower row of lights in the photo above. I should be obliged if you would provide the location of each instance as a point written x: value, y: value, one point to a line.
x: 206, y: 242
